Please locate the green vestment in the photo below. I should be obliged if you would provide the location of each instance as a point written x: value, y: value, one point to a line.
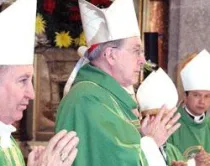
x: 11, y: 156
x: 173, y: 154
x: 99, y: 110
x: 191, y: 133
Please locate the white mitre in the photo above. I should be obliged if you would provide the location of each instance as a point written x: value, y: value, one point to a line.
x: 17, y: 33
x: 196, y: 74
x: 157, y: 90
x: 103, y: 25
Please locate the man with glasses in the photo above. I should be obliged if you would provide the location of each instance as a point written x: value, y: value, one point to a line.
x: 97, y: 106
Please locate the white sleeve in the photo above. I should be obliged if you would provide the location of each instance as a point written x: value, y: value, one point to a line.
x: 152, y: 152
x: 191, y: 162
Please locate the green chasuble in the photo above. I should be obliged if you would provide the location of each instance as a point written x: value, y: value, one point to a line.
x: 191, y: 133
x: 99, y: 110
x: 173, y: 154
x: 11, y: 156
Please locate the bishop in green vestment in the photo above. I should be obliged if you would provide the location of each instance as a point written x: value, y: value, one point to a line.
x: 194, y: 132
x: 17, y: 29
x: 20, y: 54
x: 97, y: 107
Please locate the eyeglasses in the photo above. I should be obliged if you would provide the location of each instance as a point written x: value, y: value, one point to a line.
x: 135, y: 51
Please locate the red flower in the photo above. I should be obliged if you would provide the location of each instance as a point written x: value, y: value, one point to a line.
x: 104, y: 3
x: 75, y: 14
x: 49, y: 6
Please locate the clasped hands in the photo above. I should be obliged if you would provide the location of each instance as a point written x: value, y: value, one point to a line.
x: 61, y: 151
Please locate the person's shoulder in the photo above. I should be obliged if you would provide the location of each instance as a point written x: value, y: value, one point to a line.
x: 85, y: 88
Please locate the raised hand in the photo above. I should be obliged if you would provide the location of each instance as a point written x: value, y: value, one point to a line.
x: 161, y: 126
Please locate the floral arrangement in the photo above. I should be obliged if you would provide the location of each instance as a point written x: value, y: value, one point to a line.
x: 58, y: 23
x: 149, y: 66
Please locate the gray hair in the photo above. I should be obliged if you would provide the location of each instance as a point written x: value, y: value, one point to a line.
x: 95, y: 53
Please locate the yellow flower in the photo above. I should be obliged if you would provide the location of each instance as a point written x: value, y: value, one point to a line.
x: 63, y: 39
x: 80, y: 41
x: 40, y: 24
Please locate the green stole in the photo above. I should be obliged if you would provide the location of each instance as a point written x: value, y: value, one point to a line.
x: 11, y: 156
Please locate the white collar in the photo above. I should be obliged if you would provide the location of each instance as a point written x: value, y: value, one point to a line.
x: 197, y: 119
x: 5, y: 133
x: 129, y: 90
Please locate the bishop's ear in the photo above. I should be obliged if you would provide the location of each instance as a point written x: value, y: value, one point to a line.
x: 110, y: 55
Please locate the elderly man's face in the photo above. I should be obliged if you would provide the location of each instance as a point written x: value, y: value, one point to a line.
x: 197, y: 101
x: 16, y: 90
x: 129, y: 59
